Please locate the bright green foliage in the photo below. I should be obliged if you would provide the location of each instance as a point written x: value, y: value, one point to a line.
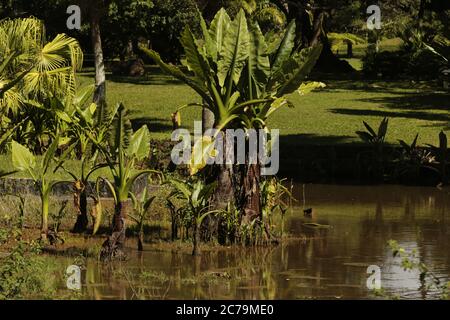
x: 121, y: 152
x: 31, y: 67
x: 196, y: 194
x: 141, y: 210
x: 410, y: 261
x: 234, y: 73
x: 24, y: 160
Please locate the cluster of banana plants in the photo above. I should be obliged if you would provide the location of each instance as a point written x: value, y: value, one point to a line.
x: 196, y: 194
x: 109, y: 144
x: 242, y: 78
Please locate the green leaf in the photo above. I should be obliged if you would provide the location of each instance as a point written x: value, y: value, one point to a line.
x: 369, y: 128
x: 148, y: 203
x: 195, y: 61
x: 286, y: 46
x: 305, y: 61
x: 50, y: 154
x: 22, y: 158
x: 63, y: 116
x: 443, y: 141
x: 83, y: 95
x: 182, y: 188
x: 219, y: 27
x: 234, y: 52
x: 364, y: 136
x: 258, y: 60
x: 178, y: 74
x: 382, y: 130
x: 211, y: 48
x: 414, y: 143
x: 139, y: 144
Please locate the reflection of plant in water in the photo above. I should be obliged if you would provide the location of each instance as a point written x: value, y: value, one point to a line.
x: 429, y: 281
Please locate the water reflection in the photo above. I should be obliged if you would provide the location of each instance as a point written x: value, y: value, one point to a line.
x: 328, y: 263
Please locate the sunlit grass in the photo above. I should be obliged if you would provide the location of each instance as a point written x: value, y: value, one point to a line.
x: 329, y: 116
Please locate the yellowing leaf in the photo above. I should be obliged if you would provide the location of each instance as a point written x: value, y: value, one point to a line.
x: 202, y: 150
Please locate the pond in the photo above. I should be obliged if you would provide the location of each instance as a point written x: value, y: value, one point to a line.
x: 324, y: 263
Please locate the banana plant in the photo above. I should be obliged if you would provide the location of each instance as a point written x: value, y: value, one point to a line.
x: 121, y: 152
x: 78, y: 118
x: 141, y: 206
x: 196, y: 194
x: 23, y: 160
x: 235, y: 73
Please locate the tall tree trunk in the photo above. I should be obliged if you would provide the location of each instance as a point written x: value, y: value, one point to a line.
x: 113, y: 247
x: 100, y: 77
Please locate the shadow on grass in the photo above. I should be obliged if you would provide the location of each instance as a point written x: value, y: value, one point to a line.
x: 153, y: 124
x: 287, y: 142
x: 407, y: 105
x: 153, y: 76
x: 393, y: 114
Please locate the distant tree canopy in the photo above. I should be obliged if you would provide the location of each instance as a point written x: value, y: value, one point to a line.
x: 160, y: 22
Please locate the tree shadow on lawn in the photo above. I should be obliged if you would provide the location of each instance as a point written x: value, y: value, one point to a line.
x: 410, y: 106
x: 289, y: 142
x: 153, y: 124
x: 153, y: 76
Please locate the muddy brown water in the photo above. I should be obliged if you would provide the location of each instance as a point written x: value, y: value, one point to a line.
x: 356, y: 224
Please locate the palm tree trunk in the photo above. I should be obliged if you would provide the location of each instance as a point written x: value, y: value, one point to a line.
x: 100, y: 77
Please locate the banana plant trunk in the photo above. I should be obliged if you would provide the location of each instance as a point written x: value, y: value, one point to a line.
x: 223, y: 196
x: 196, y: 239
x: 80, y: 201
x: 251, y: 193
x: 141, y: 238
x: 113, y: 247
x: 44, y: 221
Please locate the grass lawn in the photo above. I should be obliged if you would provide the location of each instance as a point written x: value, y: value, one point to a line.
x: 329, y: 116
